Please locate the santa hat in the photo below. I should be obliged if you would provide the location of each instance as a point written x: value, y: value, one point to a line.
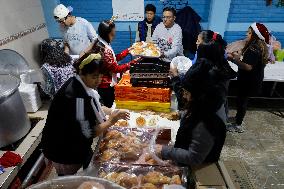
x: 261, y: 31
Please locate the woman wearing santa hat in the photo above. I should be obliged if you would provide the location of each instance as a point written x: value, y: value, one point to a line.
x: 251, y: 63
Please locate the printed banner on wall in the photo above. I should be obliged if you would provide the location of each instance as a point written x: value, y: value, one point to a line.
x: 128, y: 10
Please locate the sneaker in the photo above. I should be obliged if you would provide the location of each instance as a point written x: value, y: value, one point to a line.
x: 230, y: 127
x: 239, y: 129
x: 235, y: 128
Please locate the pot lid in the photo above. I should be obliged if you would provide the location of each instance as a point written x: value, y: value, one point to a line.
x: 12, y: 62
x: 8, y: 85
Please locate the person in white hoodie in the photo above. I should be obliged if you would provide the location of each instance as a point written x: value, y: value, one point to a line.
x: 168, y: 36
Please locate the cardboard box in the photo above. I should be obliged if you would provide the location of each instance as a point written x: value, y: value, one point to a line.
x: 209, y: 175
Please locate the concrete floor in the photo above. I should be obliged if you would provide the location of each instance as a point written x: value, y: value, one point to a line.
x: 260, y: 147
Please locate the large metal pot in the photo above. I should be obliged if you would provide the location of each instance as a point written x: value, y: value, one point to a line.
x: 14, y: 121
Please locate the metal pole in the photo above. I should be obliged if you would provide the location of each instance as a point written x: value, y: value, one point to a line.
x: 130, y: 33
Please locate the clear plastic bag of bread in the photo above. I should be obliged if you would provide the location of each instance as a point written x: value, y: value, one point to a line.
x: 152, y: 149
x: 123, y: 145
x: 158, y: 136
x: 120, y: 174
x: 142, y: 177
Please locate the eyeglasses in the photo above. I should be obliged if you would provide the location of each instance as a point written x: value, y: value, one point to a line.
x: 167, y: 17
x: 60, y: 20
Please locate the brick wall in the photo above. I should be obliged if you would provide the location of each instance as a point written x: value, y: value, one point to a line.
x: 249, y: 11
x: 95, y: 10
x: 237, y: 35
x: 255, y: 10
x: 241, y: 11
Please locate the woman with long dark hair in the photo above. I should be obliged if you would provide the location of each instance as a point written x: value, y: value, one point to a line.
x: 202, y: 131
x: 251, y: 63
x: 207, y: 36
x: 210, y: 37
x: 110, y: 65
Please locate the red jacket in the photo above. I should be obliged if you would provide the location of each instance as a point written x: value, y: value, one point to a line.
x: 111, y: 66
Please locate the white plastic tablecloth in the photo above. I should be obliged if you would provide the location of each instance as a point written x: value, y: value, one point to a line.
x: 272, y: 72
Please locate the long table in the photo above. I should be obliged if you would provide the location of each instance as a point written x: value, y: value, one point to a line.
x: 272, y: 72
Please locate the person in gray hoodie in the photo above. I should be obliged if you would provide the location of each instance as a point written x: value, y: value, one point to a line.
x: 168, y: 36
